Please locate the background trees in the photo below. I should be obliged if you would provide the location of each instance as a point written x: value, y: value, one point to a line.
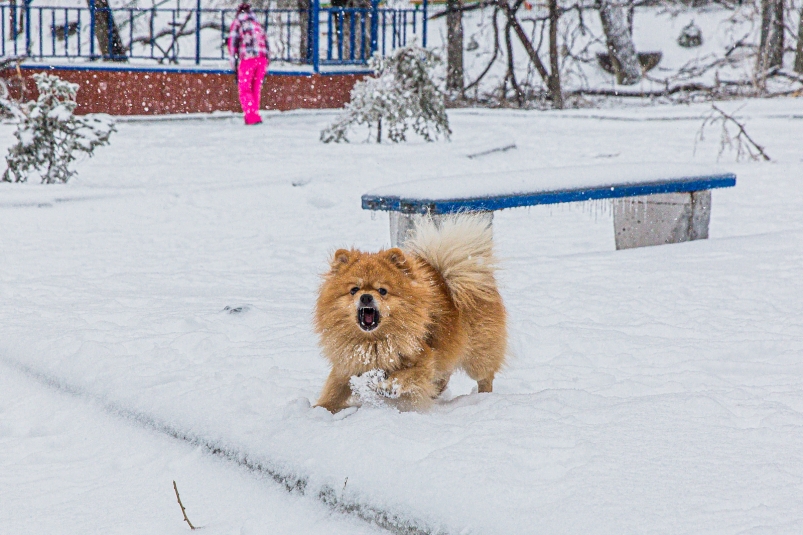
x: 552, y: 52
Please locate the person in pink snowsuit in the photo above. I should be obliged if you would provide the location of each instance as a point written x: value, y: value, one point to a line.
x: 248, y: 48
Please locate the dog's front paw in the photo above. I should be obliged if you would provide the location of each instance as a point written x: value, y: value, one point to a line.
x: 389, y: 388
x: 367, y: 387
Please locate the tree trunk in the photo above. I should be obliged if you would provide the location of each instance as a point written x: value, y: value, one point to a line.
x: 454, y: 40
x: 304, y: 48
x: 525, y: 41
x: 770, y: 49
x: 106, y: 32
x: 554, y: 60
x: 620, y: 42
x: 15, y: 19
x: 799, y: 49
x: 511, y: 70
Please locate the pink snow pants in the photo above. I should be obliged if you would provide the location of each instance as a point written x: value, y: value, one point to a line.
x: 250, y: 74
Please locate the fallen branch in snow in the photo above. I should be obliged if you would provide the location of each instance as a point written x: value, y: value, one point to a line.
x: 491, y: 151
x: 745, y: 145
x: 659, y: 93
x: 681, y: 88
x: 788, y: 75
x: 183, y: 512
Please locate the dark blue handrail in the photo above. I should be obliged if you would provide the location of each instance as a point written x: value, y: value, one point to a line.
x: 321, y: 35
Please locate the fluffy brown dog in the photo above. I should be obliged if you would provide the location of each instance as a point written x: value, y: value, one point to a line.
x: 417, y: 315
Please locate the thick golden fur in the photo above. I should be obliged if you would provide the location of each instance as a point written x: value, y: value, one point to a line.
x: 441, y: 311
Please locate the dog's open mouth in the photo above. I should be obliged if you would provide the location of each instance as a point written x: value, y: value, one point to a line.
x: 368, y: 318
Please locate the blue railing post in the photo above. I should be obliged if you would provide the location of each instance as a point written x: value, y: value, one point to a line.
x: 28, y: 27
x: 91, y: 29
x: 308, y: 40
x: 339, y: 21
x: 374, y: 26
x: 15, y: 25
x: 198, y: 32
x: 315, y: 30
x: 109, y: 33
x: 424, y: 26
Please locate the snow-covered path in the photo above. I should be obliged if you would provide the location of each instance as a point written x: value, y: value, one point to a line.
x: 656, y: 390
x: 69, y: 466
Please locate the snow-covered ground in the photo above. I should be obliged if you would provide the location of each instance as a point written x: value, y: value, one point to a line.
x: 70, y: 467
x: 654, y: 390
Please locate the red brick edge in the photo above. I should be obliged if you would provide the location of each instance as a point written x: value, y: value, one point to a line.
x: 132, y: 92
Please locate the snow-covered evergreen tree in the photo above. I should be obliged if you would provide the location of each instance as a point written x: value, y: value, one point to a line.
x: 50, y: 135
x: 402, y: 95
x: 8, y: 108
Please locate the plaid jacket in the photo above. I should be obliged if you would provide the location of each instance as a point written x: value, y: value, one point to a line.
x: 247, y: 38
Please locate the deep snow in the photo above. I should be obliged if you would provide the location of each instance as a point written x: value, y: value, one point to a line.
x: 654, y: 390
x: 70, y: 467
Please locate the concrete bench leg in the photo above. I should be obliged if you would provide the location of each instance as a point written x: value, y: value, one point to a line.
x: 402, y: 224
x: 661, y: 218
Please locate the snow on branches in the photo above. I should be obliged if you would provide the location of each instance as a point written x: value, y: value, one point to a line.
x: 403, y: 95
x: 50, y: 135
x: 741, y: 142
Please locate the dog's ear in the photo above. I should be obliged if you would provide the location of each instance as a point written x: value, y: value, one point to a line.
x: 396, y: 257
x: 342, y: 257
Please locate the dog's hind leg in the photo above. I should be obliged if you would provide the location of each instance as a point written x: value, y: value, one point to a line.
x: 483, y: 362
x: 440, y: 385
x: 485, y: 354
x: 485, y: 385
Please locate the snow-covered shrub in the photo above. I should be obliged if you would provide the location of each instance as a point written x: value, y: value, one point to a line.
x: 691, y: 36
x: 402, y: 95
x: 50, y: 135
x: 8, y: 108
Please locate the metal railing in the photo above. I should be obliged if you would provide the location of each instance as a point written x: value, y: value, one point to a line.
x: 318, y: 36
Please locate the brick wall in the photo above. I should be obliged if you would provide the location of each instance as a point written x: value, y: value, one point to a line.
x: 132, y: 91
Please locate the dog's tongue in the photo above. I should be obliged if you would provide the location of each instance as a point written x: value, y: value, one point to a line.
x: 368, y: 316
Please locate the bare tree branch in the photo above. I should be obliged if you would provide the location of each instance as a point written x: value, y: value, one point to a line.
x: 510, y: 13
x: 744, y: 144
x: 495, y: 54
x: 511, y: 67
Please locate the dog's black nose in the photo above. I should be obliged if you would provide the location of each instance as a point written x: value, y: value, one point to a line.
x: 366, y: 299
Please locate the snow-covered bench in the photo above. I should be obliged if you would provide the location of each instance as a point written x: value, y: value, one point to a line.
x: 659, y: 203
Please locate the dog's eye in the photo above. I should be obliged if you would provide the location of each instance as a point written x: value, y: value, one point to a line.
x: 382, y: 291
x: 354, y: 290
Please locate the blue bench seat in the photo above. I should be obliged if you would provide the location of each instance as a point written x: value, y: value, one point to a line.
x: 664, y: 202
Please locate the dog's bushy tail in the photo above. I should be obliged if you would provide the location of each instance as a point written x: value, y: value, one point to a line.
x: 460, y: 247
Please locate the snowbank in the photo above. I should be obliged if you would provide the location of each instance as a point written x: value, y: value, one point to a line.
x: 651, y: 390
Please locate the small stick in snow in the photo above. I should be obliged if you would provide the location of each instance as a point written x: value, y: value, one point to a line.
x: 183, y: 512
x: 491, y: 151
